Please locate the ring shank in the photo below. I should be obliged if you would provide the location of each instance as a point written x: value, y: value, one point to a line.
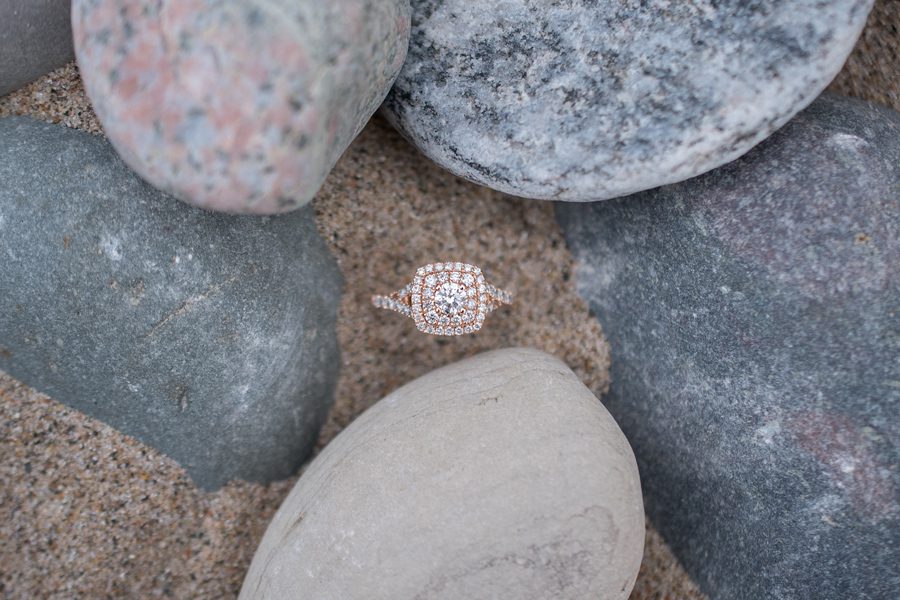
x: 399, y: 301
x: 497, y: 297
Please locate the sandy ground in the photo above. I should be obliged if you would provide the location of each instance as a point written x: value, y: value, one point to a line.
x: 88, y: 512
x: 872, y: 71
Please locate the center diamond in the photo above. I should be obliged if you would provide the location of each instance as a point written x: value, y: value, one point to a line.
x: 450, y: 298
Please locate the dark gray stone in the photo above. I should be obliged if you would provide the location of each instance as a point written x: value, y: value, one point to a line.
x: 591, y: 99
x: 209, y: 337
x: 35, y: 37
x: 752, y: 314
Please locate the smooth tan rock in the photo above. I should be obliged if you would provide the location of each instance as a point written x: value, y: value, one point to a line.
x: 500, y: 476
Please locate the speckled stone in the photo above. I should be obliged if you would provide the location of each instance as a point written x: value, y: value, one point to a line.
x: 35, y: 37
x: 500, y: 476
x: 583, y: 100
x: 208, y: 337
x: 240, y: 106
x: 752, y: 314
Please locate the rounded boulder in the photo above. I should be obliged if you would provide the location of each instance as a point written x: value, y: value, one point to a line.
x: 242, y: 106
x: 500, y: 476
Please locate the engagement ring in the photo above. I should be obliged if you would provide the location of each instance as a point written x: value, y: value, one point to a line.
x: 446, y: 299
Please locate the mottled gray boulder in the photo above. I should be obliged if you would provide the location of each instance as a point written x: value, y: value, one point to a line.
x: 241, y: 106
x: 35, y: 37
x: 500, y: 476
x: 752, y: 314
x: 210, y: 338
x: 587, y: 100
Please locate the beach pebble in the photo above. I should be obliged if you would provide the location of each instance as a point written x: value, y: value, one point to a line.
x: 239, y: 106
x: 35, y: 37
x: 500, y: 476
x: 752, y: 314
x: 208, y: 337
x: 578, y: 101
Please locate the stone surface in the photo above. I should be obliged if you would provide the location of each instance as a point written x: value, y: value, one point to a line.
x: 35, y: 37
x: 210, y: 338
x: 240, y: 106
x: 752, y: 318
x: 587, y: 100
x: 500, y: 476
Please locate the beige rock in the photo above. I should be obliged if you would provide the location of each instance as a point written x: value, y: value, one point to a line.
x: 500, y: 476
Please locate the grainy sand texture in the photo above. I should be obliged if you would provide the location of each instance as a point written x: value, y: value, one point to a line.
x: 872, y: 71
x: 87, y: 512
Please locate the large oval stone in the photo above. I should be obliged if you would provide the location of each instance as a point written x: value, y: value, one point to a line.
x: 752, y: 314
x: 500, y: 476
x: 209, y: 337
x: 240, y: 106
x: 586, y: 100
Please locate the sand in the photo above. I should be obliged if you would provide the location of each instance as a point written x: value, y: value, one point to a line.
x: 87, y: 512
x: 872, y: 71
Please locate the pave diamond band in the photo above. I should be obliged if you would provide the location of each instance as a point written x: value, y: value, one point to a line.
x: 449, y: 298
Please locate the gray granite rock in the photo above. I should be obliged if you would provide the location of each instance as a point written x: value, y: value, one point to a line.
x: 586, y: 100
x: 210, y: 338
x: 241, y: 106
x: 500, y: 476
x: 752, y: 315
x: 35, y: 37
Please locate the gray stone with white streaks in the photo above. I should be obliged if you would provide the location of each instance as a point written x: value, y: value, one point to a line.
x: 587, y: 100
x: 35, y: 37
x: 209, y: 337
x: 752, y: 314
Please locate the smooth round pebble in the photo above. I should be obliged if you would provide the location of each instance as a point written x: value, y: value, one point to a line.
x: 239, y: 106
x: 583, y: 100
x: 500, y: 476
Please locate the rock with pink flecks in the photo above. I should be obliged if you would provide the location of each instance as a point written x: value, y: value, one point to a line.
x: 240, y: 106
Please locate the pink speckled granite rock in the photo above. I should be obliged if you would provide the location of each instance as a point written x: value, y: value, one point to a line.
x: 240, y: 106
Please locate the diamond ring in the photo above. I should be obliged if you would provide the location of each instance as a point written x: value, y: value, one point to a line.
x: 446, y: 299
